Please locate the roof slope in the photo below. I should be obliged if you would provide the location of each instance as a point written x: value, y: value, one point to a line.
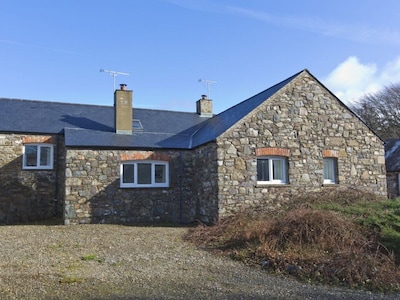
x: 161, y: 129
x: 27, y: 116
x: 93, y: 125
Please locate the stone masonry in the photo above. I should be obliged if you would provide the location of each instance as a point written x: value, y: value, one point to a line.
x: 29, y: 195
x: 306, y: 122
x: 93, y: 193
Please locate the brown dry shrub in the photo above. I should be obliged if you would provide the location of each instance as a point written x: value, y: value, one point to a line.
x: 346, y: 196
x: 316, y: 245
x: 314, y: 231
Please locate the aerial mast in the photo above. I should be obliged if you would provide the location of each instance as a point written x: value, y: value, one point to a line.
x: 207, y: 83
x: 113, y: 74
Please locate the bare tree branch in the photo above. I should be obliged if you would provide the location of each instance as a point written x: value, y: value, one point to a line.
x: 381, y: 111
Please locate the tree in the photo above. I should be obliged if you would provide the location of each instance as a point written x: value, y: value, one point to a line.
x: 381, y: 111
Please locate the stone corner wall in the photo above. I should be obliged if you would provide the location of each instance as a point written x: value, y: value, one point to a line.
x: 205, y: 183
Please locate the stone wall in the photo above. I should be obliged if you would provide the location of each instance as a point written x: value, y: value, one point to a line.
x: 306, y: 120
x: 93, y: 193
x: 29, y: 195
x: 205, y: 183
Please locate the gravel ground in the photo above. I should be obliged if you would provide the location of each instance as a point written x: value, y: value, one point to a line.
x: 122, y: 262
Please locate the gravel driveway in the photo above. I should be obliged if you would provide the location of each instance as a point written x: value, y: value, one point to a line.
x: 122, y: 262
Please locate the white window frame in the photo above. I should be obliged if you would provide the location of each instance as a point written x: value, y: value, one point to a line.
x: 153, y: 184
x: 333, y: 170
x: 272, y: 180
x: 38, y: 166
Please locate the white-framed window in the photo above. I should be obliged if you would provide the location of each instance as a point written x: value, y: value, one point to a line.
x: 330, y: 170
x: 144, y: 174
x: 271, y: 170
x: 37, y: 156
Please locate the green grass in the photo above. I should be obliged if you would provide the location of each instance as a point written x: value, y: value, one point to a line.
x: 380, y: 216
x: 92, y: 257
x: 71, y: 279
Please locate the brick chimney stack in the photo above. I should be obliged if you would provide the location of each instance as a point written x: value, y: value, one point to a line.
x: 123, y: 110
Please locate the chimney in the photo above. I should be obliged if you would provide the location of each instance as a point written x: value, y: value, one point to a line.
x: 204, y: 107
x: 123, y: 110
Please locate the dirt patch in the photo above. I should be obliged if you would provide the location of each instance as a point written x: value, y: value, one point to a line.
x: 122, y: 262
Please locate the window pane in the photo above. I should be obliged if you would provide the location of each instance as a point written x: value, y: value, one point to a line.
x: 144, y: 173
x: 329, y: 171
x: 160, y: 174
x: 277, y: 169
x: 262, y: 170
x: 128, y: 172
x: 45, y: 156
x: 31, y: 155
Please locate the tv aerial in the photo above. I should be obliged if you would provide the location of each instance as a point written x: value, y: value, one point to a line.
x: 207, y: 83
x: 113, y: 74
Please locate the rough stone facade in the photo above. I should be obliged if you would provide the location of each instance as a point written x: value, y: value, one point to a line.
x: 205, y: 183
x: 306, y: 122
x: 29, y: 195
x: 93, y: 193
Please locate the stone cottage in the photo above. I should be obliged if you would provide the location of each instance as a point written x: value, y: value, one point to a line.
x: 115, y: 164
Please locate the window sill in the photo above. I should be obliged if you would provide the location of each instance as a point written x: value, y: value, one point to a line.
x: 327, y: 184
x: 37, y: 169
x: 263, y: 185
x: 144, y: 187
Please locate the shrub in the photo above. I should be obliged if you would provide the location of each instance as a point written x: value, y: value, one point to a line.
x: 345, y: 238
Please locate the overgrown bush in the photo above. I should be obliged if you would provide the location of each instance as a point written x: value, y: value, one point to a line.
x: 347, y: 238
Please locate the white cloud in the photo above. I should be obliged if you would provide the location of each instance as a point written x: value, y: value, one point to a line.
x: 352, y: 79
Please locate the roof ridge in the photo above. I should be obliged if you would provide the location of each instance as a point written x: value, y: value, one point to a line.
x: 92, y: 105
x: 54, y: 102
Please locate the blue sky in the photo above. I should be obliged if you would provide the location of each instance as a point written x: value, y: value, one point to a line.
x: 53, y: 50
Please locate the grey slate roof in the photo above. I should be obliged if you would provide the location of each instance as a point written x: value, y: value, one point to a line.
x: 93, y: 125
x: 392, y: 155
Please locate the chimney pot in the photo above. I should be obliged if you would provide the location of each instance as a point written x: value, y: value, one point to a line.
x: 203, y: 96
x: 123, y: 86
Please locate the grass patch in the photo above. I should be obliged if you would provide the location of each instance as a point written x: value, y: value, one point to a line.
x: 341, y: 238
x: 381, y: 216
x: 92, y: 257
x: 71, y: 279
